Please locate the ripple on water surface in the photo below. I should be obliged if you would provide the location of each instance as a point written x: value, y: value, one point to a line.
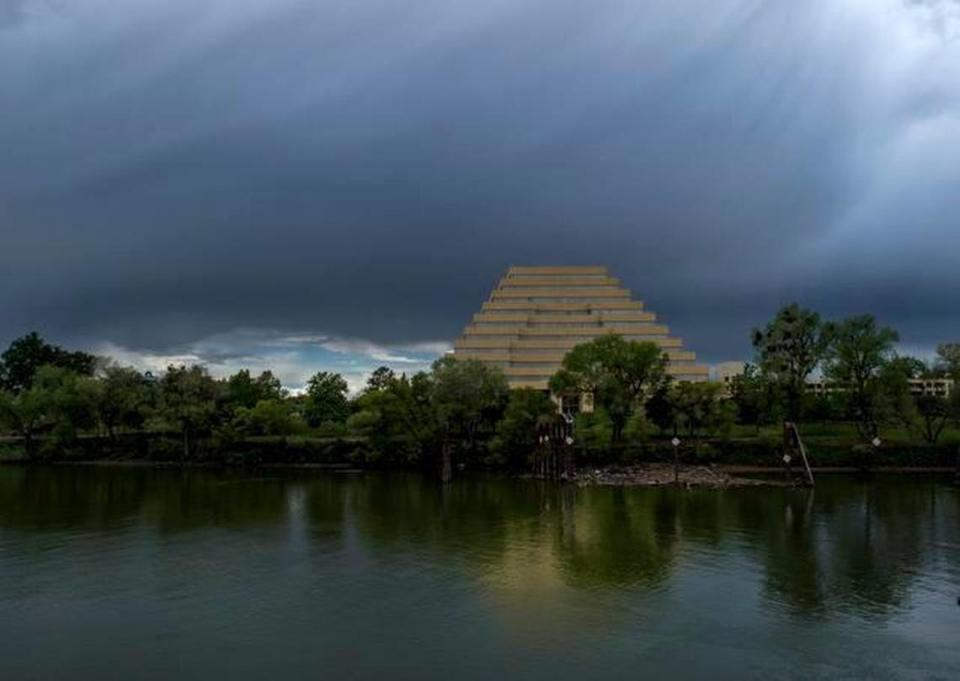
x: 119, y: 573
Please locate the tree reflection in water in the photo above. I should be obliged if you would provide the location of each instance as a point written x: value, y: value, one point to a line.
x: 850, y: 546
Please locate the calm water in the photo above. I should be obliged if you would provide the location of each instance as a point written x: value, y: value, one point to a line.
x: 140, y: 573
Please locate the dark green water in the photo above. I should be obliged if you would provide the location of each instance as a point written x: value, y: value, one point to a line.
x: 109, y: 573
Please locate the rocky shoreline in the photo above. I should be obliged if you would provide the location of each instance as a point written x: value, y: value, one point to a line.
x: 655, y: 475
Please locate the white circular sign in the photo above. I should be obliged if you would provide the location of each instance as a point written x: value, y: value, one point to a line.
x: 786, y: 458
x: 675, y: 442
x: 876, y: 442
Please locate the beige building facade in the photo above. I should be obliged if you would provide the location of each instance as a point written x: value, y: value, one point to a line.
x: 536, y: 315
x: 726, y: 372
x: 928, y: 387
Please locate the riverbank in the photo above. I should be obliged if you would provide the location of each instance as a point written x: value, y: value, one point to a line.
x: 739, y: 457
x: 721, y: 477
x: 685, y: 476
x: 657, y: 475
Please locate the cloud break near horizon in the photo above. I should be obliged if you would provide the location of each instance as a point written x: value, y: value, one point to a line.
x: 311, y: 185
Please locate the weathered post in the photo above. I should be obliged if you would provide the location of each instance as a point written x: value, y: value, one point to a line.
x: 538, y: 454
x: 676, y: 460
x: 792, y: 440
x: 548, y: 452
x: 956, y: 473
x: 569, y: 462
x: 569, y: 458
x: 446, y: 462
x: 876, y: 442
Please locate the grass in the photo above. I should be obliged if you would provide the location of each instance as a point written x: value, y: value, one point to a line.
x: 839, y: 433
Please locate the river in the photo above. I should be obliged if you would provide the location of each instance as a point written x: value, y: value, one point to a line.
x: 123, y: 573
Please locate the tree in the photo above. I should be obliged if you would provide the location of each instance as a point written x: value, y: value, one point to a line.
x: 242, y: 390
x: 948, y: 359
x: 396, y: 419
x: 639, y: 427
x: 266, y: 417
x: 620, y: 374
x: 890, y: 396
x: 791, y: 346
x: 526, y: 410
x: 701, y: 407
x: 23, y: 413
x: 925, y: 413
x: 595, y: 432
x: 933, y: 414
x: 326, y: 399
x: 124, y: 399
x: 381, y: 378
x: 467, y: 398
x: 71, y: 401
x: 659, y: 410
x: 58, y: 401
x: 188, y: 400
x: 20, y: 361
x: 758, y: 397
x: 858, y: 351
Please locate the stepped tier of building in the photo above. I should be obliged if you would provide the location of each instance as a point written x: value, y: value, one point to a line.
x: 537, y: 314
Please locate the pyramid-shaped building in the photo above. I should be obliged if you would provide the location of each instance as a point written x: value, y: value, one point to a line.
x: 537, y: 314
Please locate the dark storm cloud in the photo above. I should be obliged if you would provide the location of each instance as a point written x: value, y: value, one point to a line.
x: 172, y: 171
x: 11, y: 12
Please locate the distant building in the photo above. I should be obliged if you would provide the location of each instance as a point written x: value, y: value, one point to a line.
x: 538, y: 314
x: 820, y: 386
x: 725, y: 372
x: 939, y: 387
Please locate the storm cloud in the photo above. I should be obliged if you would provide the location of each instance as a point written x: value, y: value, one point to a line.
x: 172, y: 172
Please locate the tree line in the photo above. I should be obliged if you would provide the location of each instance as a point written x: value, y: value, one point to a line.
x: 463, y: 412
x: 864, y: 380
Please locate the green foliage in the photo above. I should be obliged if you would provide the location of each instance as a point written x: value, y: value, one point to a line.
x: 639, y: 428
x: 594, y: 432
x: 58, y: 402
x: 396, y: 419
x: 516, y: 437
x: 27, y: 354
x: 925, y: 415
x: 24, y: 412
x: 859, y: 350
x: 789, y: 349
x: 933, y: 413
x: 188, y: 401
x: 468, y: 398
x: 948, y: 360
x: 621, y: 374
x: 824, y: 407
x: 70, y: 401
x: 244, y: 391
x: 700, y: 409
x: 659, y: 410
x: 757, y: 396
x: 326, y: 400
x: 381, y: 378
x: 267, y: 417
x: 910, y: 367
x: 464, y: 408
x: 125, y: 399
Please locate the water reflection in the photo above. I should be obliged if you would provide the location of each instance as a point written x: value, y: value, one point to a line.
x: 850, y: 547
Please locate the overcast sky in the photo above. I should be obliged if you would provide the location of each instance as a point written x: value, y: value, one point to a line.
x: 337, y: 184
